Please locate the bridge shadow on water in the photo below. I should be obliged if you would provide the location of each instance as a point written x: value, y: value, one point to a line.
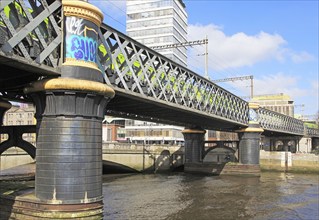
x: 157, y: 159
x: 110, y: 167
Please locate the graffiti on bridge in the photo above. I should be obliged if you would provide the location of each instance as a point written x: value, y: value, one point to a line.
x: 80, y: 41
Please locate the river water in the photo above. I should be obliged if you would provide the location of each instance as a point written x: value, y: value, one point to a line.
x: 196, y: 197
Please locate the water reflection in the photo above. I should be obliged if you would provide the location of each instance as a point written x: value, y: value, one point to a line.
x: 187, y: 196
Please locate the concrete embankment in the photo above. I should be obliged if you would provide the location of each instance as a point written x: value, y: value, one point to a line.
x: 126, y: 158
x: 289, y: 162
x: 144, y: 158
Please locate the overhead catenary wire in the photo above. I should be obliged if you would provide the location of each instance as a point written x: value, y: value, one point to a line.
x: 207, y: 58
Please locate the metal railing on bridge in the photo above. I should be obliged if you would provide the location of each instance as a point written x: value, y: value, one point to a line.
x: 311, y: 132
x: 30, y: 33
x: 133, y: 67
x: 276, y: 122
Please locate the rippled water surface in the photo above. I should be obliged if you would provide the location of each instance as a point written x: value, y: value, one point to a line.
x: 195, y: 197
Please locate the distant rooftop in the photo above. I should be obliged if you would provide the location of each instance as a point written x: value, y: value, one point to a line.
x: 280, y: 96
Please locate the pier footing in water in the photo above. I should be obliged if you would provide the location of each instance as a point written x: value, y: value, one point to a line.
x: 24, y: 205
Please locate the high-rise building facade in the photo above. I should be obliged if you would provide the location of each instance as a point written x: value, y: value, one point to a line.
x: 158, y: 23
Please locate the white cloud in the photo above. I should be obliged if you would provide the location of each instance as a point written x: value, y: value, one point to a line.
x: 239, y: 50
x: 236, y: 50
x: 273, y: 84
x: 280, y: 83
x: 315, y: 85
x: 301, y: 57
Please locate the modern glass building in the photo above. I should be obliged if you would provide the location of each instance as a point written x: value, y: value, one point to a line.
x: 158, y: 23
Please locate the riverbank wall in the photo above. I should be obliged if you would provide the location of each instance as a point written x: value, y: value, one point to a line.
x: 289, y: 162
x: 144, y: 158
x: 160, y: 158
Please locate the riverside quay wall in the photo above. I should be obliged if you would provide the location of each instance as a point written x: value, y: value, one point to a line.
x: 155, y: 158
x: 143, y: 158
x: 290, y: 162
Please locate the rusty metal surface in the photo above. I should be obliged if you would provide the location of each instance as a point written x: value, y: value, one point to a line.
x: 26, y: 206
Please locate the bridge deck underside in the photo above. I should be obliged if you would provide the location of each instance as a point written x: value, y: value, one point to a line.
x: 148, y: 110
x: 273, y: 133
x: 16, y: 73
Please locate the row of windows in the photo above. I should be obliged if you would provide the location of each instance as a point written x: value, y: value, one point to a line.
x: 18, y: 122
x: 150, y: 23
x: 287, y: 110
x: 156, y: 31
x: 154, y: 133
x: 163, y: 39
x: 146, y: 5
x: 156, y: 15
x: 182, y: 22
x: 182, y: 32
x: 20, y: 115
x: 150, y: 14
x: 175, y: 28
x: 176, y: 53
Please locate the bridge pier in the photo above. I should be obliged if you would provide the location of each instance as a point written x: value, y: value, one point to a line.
x: 69, y: 113
x: 249, y: 142
x: 194, y: 140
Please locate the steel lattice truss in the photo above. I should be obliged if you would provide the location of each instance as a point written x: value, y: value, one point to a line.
x: 32, y: 34
x: 311, y: 132
x: 133, y: 67
x: 276, y: 122
x: 31, y: 31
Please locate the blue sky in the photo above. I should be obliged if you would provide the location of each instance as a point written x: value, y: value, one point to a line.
x: 275, y: 41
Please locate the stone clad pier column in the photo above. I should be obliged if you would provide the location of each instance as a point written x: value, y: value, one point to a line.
x: 249, y: 143
x: 194, y: 148
x: 69, y: 113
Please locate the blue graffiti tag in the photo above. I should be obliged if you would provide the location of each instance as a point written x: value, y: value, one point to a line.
x: 81, y: 48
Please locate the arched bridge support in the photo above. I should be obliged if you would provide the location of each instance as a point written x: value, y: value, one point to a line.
x: 283, y: 143
x: 194, y: 147
x: 15, y: 138
x: 69, y: 113
x: 249, y: 140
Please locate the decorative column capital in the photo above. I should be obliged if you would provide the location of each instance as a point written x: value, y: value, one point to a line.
x: 83, y: 10
x: 193, y: 131
x: 253, y: 123
x: 253, y: 105
x: 70, y: 84
x: 70, y: 97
